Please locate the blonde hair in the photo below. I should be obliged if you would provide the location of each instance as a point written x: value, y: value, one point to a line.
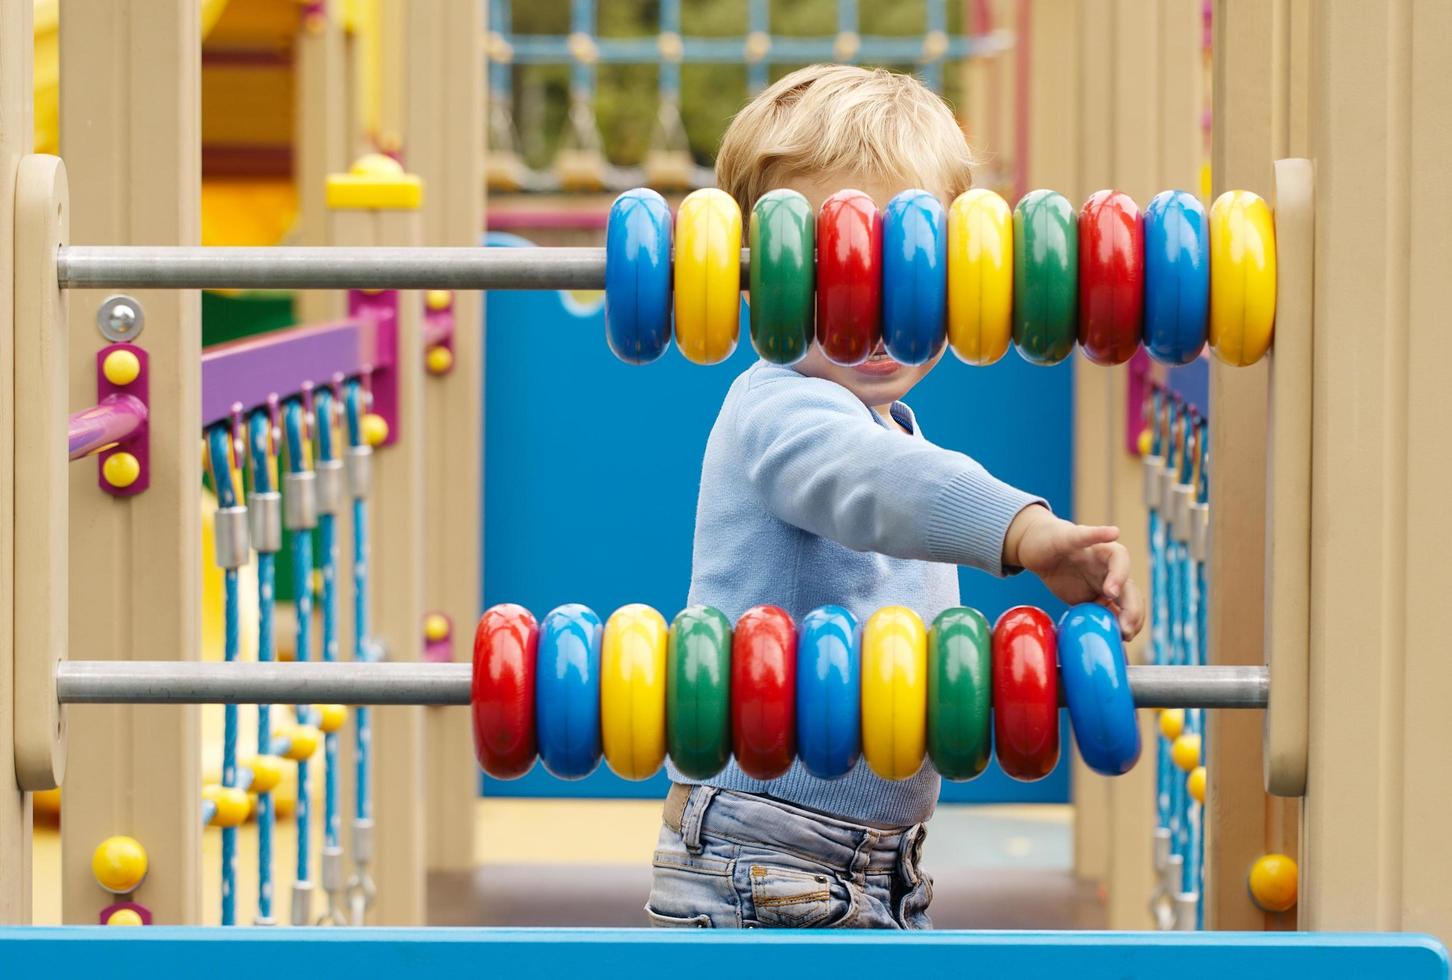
x: 841, y: 119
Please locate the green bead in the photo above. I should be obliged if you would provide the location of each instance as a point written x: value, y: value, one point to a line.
x: 960, y: 684
x: 698, y: 692
x: 1045, y: 277
x: 783, y: 281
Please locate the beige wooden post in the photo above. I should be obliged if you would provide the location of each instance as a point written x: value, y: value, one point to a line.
x: 382, y: 208
x: 319, y: 139
x: 130, y: 135
x: 16, y: 133
x: 443, y: 143
x: 1255, y: 122
x: 1374, y: 844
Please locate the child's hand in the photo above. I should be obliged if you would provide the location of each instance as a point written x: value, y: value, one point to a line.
x: 1078, y: 563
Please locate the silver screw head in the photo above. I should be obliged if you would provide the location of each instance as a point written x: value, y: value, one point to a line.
x: 120, y: 319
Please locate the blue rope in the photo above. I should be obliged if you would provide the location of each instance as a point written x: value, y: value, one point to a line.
x: 363, y: 805
x: 219, y: 444
x: 302, y: 574
x: 328, y: 542
x: 259, y: 429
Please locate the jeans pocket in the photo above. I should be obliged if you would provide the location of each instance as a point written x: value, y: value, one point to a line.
x: 660, y: 920
x: 794, y: 899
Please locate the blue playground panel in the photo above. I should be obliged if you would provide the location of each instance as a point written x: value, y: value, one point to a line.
x: 592, y: 467
x: 145, y: 954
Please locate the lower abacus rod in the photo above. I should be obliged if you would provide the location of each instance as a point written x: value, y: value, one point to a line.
x: 217, y: 267
x: 191, y: 682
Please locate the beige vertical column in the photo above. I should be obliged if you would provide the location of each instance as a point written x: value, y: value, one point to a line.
x: 1255, y: 122
x: 130, y: 135
x: 444, y: 143
x: 382, y: 208
x: 320, y: 137
x: 16, y: 133
x: 1375, y: 854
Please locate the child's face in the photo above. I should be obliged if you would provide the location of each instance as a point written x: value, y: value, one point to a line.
x: 879, y: 380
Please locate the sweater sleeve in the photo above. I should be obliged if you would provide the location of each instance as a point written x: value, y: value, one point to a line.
x: 820, y: 464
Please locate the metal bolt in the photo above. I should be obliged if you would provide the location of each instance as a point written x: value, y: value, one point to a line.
x: 120, y: 319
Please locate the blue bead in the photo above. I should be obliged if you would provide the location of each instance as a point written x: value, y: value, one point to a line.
x: 1095, y: 681
x: 567, y: 691
x: 1177, y: 277
x: 828, y: 692
x: 914, y: 277
x: 638, y: 276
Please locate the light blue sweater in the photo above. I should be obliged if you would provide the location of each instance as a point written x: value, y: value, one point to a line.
x: 809, y: 498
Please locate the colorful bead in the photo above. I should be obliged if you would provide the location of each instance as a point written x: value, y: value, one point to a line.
x: 1273, y: 883
x: 914, y: 277
x: 960, y: 693
x: 638, y: 276
x: 1185, y: 751
x: 1242, y: 277
x: 1025, y: 693
x: 1045, y: 277
x: 502, y: 694
x: 980, y: 276
x: 567, y: 691
x: 698, y: 692
x: 1111, y: 277
x: 708, y: 276
x: 849, y: 277
x: 829, y: 698
x: 1096, y: 689
x: 633, y: 691
x: 119, y: 864
x: 763, y: 692
x: 1176, y: 277
x: 894, y: 692
x: 783, y: 276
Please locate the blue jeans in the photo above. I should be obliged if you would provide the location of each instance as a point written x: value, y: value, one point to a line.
x: 732, y: 860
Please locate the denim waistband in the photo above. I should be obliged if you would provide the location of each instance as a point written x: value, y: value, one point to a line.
x: 847, y: 848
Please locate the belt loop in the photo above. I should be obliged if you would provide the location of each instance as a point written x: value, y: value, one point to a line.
x: 861, y: 856
x: 694, y: 816
x: 910, y: 852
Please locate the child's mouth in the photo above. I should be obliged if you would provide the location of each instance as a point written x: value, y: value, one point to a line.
x: 878, y: 363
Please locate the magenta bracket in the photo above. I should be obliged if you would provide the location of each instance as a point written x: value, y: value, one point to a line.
x: 438, y: 331
x: 381, y: 309
x: 136, y: 907
x: 138, y: 441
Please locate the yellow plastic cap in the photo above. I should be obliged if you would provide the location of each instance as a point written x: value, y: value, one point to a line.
x: 436, y: 627
x: 1186, y: 751
x: 231, y: 804
x: 438, y: 299
x: 302, y: 742
x: 1144, y: 443
x: 439, y: 360
x: 1273, y: 883
x: 266, y: 773
x: 121, y: 470
x: 124, y: 917
x: 121, y: 367
x: 331, y: 717
x: 1172, y: 723
x: 119, y: 864
x: 375, y: 182
x: 375, y: 429
x: 1195, y: 783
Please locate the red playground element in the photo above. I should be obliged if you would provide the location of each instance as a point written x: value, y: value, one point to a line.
x: 849, y: 277
x: 1111, y: 277
x: 1026, y: 693
x: 764, y: 692
x: 502, y: 694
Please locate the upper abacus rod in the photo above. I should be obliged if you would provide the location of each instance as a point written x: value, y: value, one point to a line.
x: 194, y: 682
x: 304, y: 267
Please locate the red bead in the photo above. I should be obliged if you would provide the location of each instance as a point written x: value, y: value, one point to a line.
x: 1025, y: 693
x: 1111, y: 277
x: 849, y: 277
x: 764, y: 692
x: 502, y: 693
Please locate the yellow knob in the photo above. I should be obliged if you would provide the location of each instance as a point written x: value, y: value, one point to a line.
x: 1172, y: 723
x: 124, y: 917
x: 331, y: 717
x: 438, y: 299
x: 121, y: 367
x: 1186, y: 751
x: 121, y: 470
x: 1195, y: 783
x: 231, y: 805
x: 375, y: 429
x: 436, y: 627
x: 1273, y: 882
x: 302, y: 742
x: 439, y: 360
x: 266, y: 773
x: 119, y: 864
x: 1144, y: 444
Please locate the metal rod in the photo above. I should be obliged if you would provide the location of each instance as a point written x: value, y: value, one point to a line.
x: 200, y: 267
x: 93, y: 429
x: 192, y: 682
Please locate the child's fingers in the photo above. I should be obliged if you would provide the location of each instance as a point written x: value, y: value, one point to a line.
x: 1116, y: 571
x: 1081, y: 536
x: 1131, y: 610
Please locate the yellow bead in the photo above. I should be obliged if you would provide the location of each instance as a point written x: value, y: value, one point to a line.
x: 894, y: 692
x: 436, y: 627
x: 266, y: 773
x: 124, y: 917
x: 1242, y: 278
x: 1145, y: 443
x: 119, y: 864
x: 331, y: 717
x: 121, y: 470
x: 980, y: 276
x: 1273, y: 883
x: 1195, y: 783
x: 1172, y: 723
x: 440, y: 360
x: 1186, y: 751
x: 302, y: 742
x: 707, y: 292
x: 632, y: 691
x: 375, y: 429
x: 438, y: 299
x: 121, y: 367
x: 231, y: 805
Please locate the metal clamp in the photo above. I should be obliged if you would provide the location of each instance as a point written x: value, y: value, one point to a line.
x: 1153, y: 467
x: 329, y: 485
x: 302, y: 903
x: 360, y: 470
x: 299, y: 501
x: 1182, y: 495
x: 266, y: 514
x: 1200, y: 532
x: 230, y: 537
